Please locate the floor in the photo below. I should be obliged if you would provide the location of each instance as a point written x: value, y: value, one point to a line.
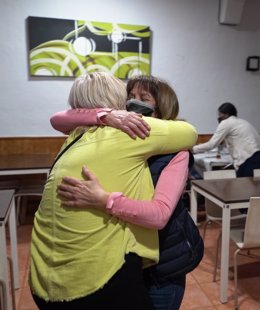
x: 201, y: 292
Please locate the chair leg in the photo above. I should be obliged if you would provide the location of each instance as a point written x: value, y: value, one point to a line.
x: 205, y: 228
x: 235, y: 278
x: 216, y: 258
x: 12, y: 281
x: 18, y: 210
x: 23, y: 210
x: 4, y: 291
x: 3, y: 295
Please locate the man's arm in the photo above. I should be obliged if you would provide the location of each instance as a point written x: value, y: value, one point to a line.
x: 151, y: 214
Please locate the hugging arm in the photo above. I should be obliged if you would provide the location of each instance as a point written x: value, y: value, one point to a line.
x: 131, y: 123
x: 151, y: 214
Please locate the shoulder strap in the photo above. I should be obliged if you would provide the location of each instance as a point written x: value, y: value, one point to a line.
x: 64, y: 150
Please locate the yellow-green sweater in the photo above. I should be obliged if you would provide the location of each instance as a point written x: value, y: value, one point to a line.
x: 75, y: 252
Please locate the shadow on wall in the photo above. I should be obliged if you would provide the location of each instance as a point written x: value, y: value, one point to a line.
x: 250, y: 18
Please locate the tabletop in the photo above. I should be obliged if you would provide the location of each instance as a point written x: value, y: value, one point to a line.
x: 231, y: 190
x: 5, y: 200
x: 210, y: 160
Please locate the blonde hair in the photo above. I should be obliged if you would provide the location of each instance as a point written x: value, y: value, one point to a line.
x: 98, y: 90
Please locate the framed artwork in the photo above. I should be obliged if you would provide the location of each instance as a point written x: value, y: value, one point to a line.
x: 253, y: 63
x: 69, y: 48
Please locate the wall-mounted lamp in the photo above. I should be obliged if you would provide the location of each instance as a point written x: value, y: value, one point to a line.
x: 253, y: 63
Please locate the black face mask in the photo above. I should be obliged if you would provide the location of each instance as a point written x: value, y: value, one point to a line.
x: 138, y: 106
x: 222, y: 118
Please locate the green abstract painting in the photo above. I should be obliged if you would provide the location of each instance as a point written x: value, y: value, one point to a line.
x: 69, y: 48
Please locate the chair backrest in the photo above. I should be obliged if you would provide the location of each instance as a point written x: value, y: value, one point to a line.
x: 213, y: 211
x: 252, y: 227
x: 256, y: 172
x: 219, y: 174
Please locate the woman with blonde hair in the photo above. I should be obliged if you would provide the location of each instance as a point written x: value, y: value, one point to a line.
x: 87, y: 259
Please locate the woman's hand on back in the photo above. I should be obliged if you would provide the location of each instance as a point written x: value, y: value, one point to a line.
x: 86, y: 193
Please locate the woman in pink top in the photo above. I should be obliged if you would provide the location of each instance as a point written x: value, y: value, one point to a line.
x: 165, y: 291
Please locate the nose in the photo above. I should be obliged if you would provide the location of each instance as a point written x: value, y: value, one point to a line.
x: 137, y: 96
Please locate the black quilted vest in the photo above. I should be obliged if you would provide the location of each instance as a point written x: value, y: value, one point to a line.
x: 175, y: 260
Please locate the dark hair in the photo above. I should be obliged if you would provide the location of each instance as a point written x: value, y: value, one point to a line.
x: 148, y: 83
x: 228, y: 108
x: 167, y: 105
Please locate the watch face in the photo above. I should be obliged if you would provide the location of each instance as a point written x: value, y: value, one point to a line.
x: 137, y: 106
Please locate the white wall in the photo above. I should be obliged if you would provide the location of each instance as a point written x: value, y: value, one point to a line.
x: 202, y: 60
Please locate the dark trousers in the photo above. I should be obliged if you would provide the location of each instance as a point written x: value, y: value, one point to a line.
x: 167, y: 296
x: 124, y: 291
x: 246, y: 169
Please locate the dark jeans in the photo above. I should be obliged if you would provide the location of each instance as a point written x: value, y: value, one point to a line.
x: 124, y: 291
x: 246, y: 169
x: 167, y: 296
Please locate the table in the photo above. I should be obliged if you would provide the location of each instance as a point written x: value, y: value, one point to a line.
x: 209, y: 161
x: 228, y: 194
x: 12, y: 165
x: 7, y: 214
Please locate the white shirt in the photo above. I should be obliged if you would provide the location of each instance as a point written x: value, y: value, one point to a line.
x: 241, y: 139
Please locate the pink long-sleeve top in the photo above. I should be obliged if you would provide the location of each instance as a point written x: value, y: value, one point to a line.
x: 66, y: 121
x: 151, y: 214
x: 155, y: 213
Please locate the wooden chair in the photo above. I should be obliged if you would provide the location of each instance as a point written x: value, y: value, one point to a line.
x: 23, y: 192
x: 23, y: 189
x: 247, y: 238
